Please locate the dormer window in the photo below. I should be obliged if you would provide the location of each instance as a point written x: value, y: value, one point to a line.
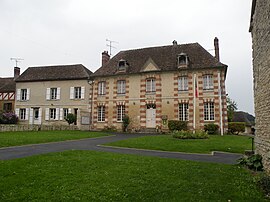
x: 122, y: 65
x: 182, y: 60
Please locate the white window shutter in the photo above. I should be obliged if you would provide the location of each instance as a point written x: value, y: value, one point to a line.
x: 26, y: 113
x: 71, y: 93
x: 39, y: 115
x: 82, y: 92
x: 61, y: 114
x: 58, y: 94
x: 48, y: 93
x: 69, y: 110
x: 28, y: 94
x: 57, y: 114
x: 18, y: 94
x: 17, y: 111
x: 31, y: 116
x: 47, y: 110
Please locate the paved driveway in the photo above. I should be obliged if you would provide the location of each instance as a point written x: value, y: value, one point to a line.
x: 96, y: 144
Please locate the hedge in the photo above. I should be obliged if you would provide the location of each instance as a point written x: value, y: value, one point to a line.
x: 211, y: 128
x: 236, y: 127
x: 177, y: 125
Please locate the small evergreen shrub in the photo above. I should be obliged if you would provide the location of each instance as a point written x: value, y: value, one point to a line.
x: 126, y: 122
x: 177, y: 125
x: 71, y: 118
x: 253, y: 162
x: 211, y: 128
x: 190, y: 135
x: 236, y: 127
x: 8, y: 118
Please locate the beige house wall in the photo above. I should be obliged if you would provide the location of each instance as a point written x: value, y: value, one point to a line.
x: 37, y: 99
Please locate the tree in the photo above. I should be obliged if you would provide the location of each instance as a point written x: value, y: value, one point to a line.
x: 231, y: 108
x: 71, y: 118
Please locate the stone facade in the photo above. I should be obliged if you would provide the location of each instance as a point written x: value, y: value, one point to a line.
x: 260, y: 30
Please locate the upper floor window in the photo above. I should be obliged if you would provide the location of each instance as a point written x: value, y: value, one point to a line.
x: 183, y: 83
x: 77, y: 92
x: 208, y: 82
x: 183, y: 111
x: 122, y: 65
x: 101, y: 88
x: 121, y: 87
x: 182, y: 60
x: 209, y: 114
x: 53, y: 93
x: 150, y: 85
x: 23, y: 94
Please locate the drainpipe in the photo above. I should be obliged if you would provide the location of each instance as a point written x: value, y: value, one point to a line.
x: 220, y: 105
x: 194, y: 102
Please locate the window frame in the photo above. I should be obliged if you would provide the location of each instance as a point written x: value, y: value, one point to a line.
x: 22, y: 114
x: 209, y: 111
x: 24, y: 94
x: 78, y: 92
x: 101, y: 114
x: 121, y: 111
x: 150, y: 85
x: 183, y: 111
x: 52, y: 114
x: 208, y: 83
x: 53, y: 93
x: 65, y: 112
x: 101, y: 88
x: 121, y: 87
x: 182, y: 83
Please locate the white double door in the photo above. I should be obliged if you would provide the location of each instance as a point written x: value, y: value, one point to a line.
x: 151, y: 116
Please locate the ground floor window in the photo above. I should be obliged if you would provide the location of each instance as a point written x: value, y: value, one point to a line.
x: 53, y: 113
x: 7, y: 107
x: 101, y: 113
x: 22, y: 114
x: 120, y: 112
x: 65, y: 111
x: 183, y: 111
x: 209, y: 114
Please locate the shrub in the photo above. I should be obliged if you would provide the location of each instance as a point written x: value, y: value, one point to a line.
x: 236, y: 127
x: 211, y: 128
x: 9, y: 118
x: 253, y: 162
x: 126, y: 122
x: 264, y: 183
x: 109, y: 129
x: 71, y: 118
x: 190, y: 135
x: 177, y: 125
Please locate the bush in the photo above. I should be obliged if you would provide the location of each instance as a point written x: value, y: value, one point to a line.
x: 8, y: 118
x: 126, y: 122
x: 71, y: 118
x: 177, y: 125
x: 236, y: 127
x: 264, y: 183
x: 190, y: 135
x: 211, y: 128
x: 253, y: 162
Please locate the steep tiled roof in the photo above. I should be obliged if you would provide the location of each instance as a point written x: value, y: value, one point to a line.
x: 165, y: 57
x: 52, y: 73
x: 7, y: 85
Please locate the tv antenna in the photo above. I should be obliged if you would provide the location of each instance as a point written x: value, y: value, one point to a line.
x: 16, y: 60
x: 110, y: 45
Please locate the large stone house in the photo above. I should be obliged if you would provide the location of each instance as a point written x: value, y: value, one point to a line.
x: 45, y: 95
x: 7, y: 91
x: 260, y: 30
x: 154, y: 85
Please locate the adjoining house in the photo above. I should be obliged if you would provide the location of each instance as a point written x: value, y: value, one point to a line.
x: 154, y: 85
x: 244, y: 117
x: 45, y: 95
x: 259, y: 28
x: 7, y: 91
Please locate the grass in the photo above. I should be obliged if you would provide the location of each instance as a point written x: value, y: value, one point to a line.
x: 33, y: 137
x: 101, y: 176
x: 227, y: 143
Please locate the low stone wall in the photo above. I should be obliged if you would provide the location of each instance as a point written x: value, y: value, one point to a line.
x: 6, y: 128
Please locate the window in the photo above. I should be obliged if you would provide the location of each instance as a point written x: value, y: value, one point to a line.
x: 209, y: 111
x: 53, y: 114
x: 208, y: 82
x: 22, y: 114
x: 78, y: 92
x: 65, y: 111
x: 53, y: 93
x: 7, y: 107
x: 183, y: 112
x: 121, y: 87
x: 150, y: 85
x: 183, y: 60
x: 101, y: 88
x: 183, y: 83
x: 36, y: 113
x: 23, y: 94
x: 101, y: 113
x: 120, y: 112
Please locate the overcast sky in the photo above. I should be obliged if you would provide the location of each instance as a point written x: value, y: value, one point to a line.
x: 47, y: 32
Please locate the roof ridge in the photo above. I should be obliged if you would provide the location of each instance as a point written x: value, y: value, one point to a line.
x: 56, y: 65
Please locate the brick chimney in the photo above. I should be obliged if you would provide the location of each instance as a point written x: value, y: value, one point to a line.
x: 216, y: 48
x: 105, y: 57
x: 16, y: 72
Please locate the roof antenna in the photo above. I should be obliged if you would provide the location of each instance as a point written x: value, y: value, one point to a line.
x: 110, y: 45
x: 16, y: 60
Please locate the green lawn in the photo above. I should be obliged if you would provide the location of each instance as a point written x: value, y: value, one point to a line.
x: 227, y: 143
x: 101, y: 176
x: 22, y: 138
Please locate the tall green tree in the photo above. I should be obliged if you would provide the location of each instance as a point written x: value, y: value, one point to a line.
x: 231, y: 108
